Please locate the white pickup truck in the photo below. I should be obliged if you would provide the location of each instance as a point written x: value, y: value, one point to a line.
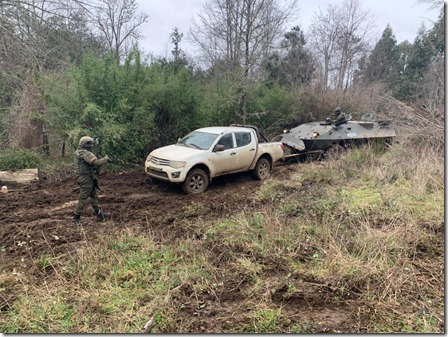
x: 213, y: 151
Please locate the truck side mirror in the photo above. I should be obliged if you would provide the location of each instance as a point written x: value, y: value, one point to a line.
x: 218, y: 148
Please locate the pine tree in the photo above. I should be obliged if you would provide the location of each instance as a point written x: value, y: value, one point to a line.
x: 295, y: 67
x: 382, y: 63
x: 414, y: 64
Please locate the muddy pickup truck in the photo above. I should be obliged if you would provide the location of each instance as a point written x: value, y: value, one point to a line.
x: 211, y: 152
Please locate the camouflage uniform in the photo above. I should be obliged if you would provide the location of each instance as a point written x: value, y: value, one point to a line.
x: 337, y: 116
x: 87, y: 166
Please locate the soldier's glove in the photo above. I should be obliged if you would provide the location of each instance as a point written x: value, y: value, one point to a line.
x: 101, y: 161
x: 109, y: 160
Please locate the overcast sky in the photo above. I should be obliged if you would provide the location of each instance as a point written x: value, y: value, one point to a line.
x: 404, y: 16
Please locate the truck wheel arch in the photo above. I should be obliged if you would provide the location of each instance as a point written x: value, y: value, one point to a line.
x: 261, y: 171
x: 255, y: 162
x: 197, y: 180
x: 203, y: 167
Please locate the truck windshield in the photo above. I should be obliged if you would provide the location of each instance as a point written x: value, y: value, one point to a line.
x: 198, y: 140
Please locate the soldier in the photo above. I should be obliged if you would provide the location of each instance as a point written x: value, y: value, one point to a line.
x: 87, y: 166
x: 337, y: 116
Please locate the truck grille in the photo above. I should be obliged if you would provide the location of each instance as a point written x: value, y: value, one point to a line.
x: 159, y: 161
x: 158, y: 173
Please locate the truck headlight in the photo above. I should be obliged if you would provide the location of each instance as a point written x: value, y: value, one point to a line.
x: 177, y: 164
x: 149, y: 158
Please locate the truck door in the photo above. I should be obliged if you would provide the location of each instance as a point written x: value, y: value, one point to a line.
x: 224, y: 161
x: 245, y: 150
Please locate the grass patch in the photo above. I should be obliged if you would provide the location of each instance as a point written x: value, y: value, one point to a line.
x: 364, y: 231
x: 265, y: 321
x: 126, y: 278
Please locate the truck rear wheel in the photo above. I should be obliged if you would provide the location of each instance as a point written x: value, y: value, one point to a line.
x: 196, y: 182
x: 262, y: 170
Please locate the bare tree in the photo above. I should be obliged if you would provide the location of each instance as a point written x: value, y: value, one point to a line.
x: 35, y: 36
x: 432, y: 83
x: 352, y: 43
x: 27, y: 29
x: 432, y: 4
x: 42, y: 33
x: 324, y: 31
x: 119, y: 22
x: 433, y: 88
x: 239, y: 34
x: 240, y: 31
x: 340, y: 37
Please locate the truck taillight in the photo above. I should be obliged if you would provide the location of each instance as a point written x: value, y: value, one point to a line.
x: 282, y: 146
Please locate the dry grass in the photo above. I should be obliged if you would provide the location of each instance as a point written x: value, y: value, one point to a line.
x: 385, y: 243
x: 365, y: 232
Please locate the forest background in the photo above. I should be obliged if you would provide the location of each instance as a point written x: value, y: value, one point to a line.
x: 71, y: 68
x: 349, y: 245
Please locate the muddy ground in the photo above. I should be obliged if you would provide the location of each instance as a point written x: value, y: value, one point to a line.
x: 35, y: 219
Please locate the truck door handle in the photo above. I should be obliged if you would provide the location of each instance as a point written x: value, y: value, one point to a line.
x: 252, y: 149
x: 232, y: 153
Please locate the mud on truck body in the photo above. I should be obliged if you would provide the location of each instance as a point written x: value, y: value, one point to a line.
x: 210, y: 152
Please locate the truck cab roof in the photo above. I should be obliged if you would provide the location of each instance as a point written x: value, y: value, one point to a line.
x: 220, y: 129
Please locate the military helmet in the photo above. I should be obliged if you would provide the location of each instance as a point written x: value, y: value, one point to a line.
x: 337, y: 111
x: 86, y: 141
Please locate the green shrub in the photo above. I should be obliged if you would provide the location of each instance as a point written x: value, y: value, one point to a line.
x: 19, y: 159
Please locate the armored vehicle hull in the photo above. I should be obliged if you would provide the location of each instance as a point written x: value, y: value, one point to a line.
x: 318, y: 137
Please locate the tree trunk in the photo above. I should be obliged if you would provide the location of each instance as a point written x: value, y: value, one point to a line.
x: 45, y: 143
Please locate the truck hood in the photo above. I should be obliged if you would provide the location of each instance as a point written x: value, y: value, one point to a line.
x: 174, y: 152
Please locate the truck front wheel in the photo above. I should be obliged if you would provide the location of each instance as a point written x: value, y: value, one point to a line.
x: 262, y: 170
x: 196, y: 182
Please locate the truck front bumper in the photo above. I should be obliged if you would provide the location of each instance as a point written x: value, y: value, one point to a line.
x: 167, y: 173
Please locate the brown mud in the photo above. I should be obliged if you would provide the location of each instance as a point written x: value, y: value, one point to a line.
x: 35, y: 219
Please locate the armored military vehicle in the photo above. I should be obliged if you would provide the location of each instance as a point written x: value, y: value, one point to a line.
x: 328, y: 136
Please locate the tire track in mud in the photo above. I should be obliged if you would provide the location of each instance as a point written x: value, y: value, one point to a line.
x: 33, y: 213
x: 36, y: 220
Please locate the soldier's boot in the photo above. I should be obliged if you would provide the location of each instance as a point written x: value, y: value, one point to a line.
x: 76, y: 219
x: 100, y: 215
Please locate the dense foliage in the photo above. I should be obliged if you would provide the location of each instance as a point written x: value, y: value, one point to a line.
x: 140, y: 102
x: 20, y: 159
